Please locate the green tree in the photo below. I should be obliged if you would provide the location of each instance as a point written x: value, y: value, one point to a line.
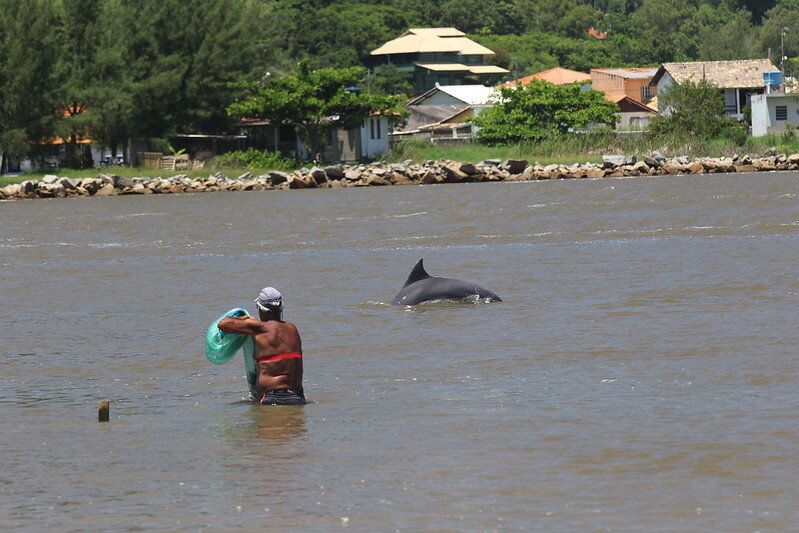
x: 784, y: 15
x: 28, y: 55
x: 521, y: 54
x: 566, y: 17
x: 693, y: 108
x: 75, y: 72
x: 182, y: 58
x: 724, y: 35
x: 160, y: 67
x: 539, y: 110
x: 576, y: 22
x: 314, y: 102
x: 389, y: 80
x: 622, y: 7
x: 473, y: 16
x: 756, y: 7
x: 584, y: 53
x: 340, y: 35
x: 668, y: 28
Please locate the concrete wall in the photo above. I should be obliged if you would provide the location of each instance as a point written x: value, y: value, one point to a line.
x: 607, y: 83
x: 638, y: 118
x: 344, y: 146
x: 665, y: 82
x: 374, y: 127
x: 632, y: 88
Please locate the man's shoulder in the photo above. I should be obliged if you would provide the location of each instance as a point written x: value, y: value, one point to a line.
x: 278, y: 324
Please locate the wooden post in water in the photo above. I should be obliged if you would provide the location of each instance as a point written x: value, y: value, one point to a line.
x: 102, y: 411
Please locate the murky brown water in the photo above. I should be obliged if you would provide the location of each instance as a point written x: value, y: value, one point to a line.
x: 641, y: 374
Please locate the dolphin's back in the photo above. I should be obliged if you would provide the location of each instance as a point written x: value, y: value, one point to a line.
x: 418, y: 273
x: 422, y: 287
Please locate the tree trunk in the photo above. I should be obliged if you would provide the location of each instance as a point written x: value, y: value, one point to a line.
x: 71, y: 157
x: 315, y: 143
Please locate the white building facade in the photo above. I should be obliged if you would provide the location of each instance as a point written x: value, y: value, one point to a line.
x: 374, y: 137
x: 772, y: 113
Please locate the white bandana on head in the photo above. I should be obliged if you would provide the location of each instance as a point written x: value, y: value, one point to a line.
x: 270, y: 300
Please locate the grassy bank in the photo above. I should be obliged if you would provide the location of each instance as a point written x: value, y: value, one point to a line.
x: 130, y: 172
x: 591, y: 147
x: 231, y: 164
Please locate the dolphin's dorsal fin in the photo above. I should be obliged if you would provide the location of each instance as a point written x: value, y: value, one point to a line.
x: 417, y: 273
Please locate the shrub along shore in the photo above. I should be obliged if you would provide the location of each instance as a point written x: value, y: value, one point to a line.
x: 405, y: 173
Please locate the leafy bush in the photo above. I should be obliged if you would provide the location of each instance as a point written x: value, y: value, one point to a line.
x: 541, y: 110
x: 696, y: 108
x: 252, y: 158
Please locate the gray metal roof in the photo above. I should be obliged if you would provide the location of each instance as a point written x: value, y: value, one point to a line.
x: 422, y: 115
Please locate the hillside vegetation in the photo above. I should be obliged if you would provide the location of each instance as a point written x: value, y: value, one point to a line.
x: 113, y: 70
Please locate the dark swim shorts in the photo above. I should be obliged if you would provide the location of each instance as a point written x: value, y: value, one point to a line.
x: 284, y: 397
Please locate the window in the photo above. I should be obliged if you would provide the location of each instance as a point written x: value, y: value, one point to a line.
x: 287, y: 134
x: 782, y: 112
x: 374, y: 128
x: 646, y: 92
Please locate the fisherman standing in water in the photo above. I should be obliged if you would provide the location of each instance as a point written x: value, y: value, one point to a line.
x: 277, y: 350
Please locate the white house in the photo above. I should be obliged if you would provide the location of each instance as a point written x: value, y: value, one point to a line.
x: 374, y: 137
x: 368, y: 141
x: 469, y: 95
x: 738, y: 79
x: 772, y: 112
x: 444, y: 111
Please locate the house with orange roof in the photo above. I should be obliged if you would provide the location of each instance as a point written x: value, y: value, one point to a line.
x: 557, y: 76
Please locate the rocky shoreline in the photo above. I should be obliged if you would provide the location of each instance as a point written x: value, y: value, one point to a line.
x: 405, y: 173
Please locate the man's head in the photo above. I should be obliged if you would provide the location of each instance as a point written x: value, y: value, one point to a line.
x: 270, y: 303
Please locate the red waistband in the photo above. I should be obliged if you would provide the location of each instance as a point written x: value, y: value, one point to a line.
x: 279, y: 356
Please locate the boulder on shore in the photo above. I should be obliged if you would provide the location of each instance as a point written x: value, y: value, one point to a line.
x: 515, y: 166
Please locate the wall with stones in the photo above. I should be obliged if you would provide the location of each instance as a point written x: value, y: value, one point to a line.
x: 405, y: 173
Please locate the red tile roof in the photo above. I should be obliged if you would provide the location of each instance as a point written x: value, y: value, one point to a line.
x: 557, y: 75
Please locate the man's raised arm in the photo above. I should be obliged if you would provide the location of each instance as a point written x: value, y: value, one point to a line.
x: 240, y: 325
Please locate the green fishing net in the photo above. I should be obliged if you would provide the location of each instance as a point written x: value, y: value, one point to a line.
x: 220, y: 347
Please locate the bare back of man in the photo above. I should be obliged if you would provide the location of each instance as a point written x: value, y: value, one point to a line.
x: 277, y: 350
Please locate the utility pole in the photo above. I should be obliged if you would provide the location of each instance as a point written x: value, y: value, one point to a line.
x: 782, y: 49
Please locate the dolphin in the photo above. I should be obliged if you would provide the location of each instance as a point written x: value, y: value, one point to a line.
x: 422, y: 287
